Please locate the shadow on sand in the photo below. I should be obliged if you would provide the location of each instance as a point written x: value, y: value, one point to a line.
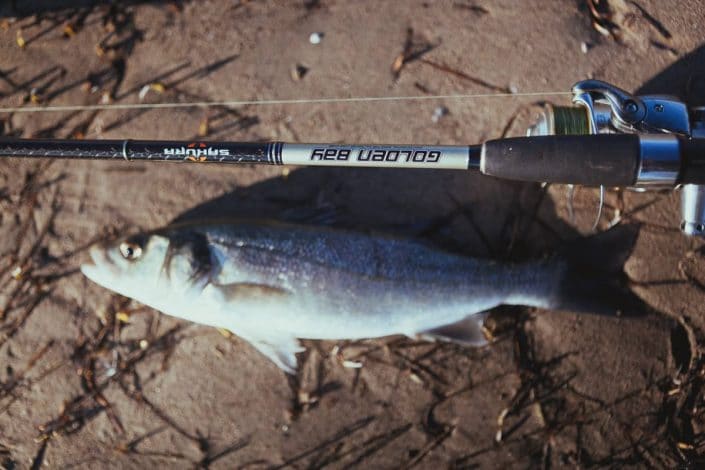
x: 460, y: 211
x: 483, y: 216
x: 24, y: 8
x: 684, y: 79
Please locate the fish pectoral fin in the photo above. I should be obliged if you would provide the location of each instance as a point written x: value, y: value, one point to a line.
x: 247, y: 291
x: 279, y: 349
x: 467, y: 331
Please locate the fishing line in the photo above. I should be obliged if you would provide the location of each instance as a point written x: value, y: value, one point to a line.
x: 233, y: 103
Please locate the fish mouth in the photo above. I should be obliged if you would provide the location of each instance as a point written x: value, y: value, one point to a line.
x: 95, y: 268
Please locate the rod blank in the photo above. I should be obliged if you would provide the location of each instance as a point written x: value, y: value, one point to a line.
x: 269, y: 153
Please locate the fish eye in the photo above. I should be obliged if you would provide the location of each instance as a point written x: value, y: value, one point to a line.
x: 130, y: 250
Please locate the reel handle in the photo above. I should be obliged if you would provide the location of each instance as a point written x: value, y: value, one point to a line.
x: 693, y: 195
x: 693, y: 161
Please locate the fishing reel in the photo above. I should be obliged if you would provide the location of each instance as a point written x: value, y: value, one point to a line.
x: 602, y: 108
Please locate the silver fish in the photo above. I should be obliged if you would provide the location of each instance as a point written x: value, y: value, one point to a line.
x: 271, y: 283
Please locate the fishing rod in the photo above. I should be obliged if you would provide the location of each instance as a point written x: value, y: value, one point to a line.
x: 607, y: 138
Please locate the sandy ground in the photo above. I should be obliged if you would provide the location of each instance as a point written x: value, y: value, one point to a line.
x: 89, y: 379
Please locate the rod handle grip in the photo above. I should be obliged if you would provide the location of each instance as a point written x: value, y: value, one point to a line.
x: 589, y: 160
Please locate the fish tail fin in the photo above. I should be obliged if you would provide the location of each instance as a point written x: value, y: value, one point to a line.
x: 592, y: 278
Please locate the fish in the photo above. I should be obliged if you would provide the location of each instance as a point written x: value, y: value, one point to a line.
x: 273, y: 283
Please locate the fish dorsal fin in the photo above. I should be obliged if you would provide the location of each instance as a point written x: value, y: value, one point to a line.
x: 250, y: 291
x: 323, y: 216
x: 467, y: 331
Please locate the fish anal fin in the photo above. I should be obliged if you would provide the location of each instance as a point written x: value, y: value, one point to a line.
x: 468, y: 331
x: 281, y: 350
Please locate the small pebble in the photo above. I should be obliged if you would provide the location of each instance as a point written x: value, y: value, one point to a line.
x: 315, y: 38
x: 352, y: 364
x: 298, y: 72
x: 438, y: 113
x: 122, y: 317
x: 17, y: 272
x: 584, y: 47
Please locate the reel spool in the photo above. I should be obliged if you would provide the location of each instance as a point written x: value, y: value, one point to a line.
x: 561, y: 120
